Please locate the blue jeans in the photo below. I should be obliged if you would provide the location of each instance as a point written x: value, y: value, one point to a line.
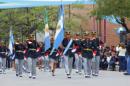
x: 128, y: 64
x: 122, y: 63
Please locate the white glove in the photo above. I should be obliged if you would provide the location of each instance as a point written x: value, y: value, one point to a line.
x: 73, y: 50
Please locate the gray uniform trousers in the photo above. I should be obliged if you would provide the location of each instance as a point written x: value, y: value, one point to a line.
x: 78, y: 62
x: 25, y: 66
x: 2, y: 64
x: 68, y: 62
x: 42, y: 58
x: 19, y: 66
x: 87, y: 64
x: 95, y: 65
x: 62, y: 62
x: 46, y: 63
x: 32, y: 66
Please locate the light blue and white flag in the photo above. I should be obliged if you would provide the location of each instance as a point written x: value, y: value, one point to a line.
x: 11, y: 44
x: 59, y: 36
x: 47, y: 33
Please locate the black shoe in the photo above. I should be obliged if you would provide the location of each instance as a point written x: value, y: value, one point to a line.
x: 67, y: 74
x: 87, y: 76
x: 33, y: 77
x: 20, y: 76
x: 53, y: 74
x: 69, y: 77
x: 94, y: 75
x: 77, y: 72
x: 17, y: 75
x: 30, y: 76
x: 126, y: 74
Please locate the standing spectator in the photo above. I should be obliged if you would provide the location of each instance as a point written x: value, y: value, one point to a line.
x: 122, y: 59
x: 128, y: 55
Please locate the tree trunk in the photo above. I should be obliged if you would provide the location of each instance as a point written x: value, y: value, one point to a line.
x: 122, y: 22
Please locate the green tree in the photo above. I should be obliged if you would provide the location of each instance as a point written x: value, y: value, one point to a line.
x: 117, y: 8
x: 25, y: 21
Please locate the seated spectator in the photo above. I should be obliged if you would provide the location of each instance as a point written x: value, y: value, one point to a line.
x: 112, y: 62
x: 103, y: 63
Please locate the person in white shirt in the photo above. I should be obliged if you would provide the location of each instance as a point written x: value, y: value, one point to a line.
x: 122, y: 59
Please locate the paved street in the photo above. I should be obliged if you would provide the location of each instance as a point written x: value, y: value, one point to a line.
x: 106, y: 78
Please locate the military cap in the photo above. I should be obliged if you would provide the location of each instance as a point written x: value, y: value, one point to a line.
x: 68, y: 33
x: 93, y: 33
x: 31, y: 36
x: 2, y: 42
x: 86, y: 33
x: 17, y: 38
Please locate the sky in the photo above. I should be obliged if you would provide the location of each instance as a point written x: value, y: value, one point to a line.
x: 34, y: 3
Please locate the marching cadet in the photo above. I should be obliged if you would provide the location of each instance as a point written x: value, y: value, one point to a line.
x: 78, y: 57
x: 87, y: 54
x: 96, y: 54
x: 68, y: 57
x: 32, y: 56
x: 25, y: 66
x: 3, y: 56
x: 19, y: 57
x: 54, y: 57
x: 40, y: 55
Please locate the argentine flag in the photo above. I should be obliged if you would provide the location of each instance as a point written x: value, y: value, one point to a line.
x: 47, y: 34
x: 11, y: 44
x: 47, y: 38
x: 59, y: 36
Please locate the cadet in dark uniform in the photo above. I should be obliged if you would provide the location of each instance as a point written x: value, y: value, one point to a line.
x: 87, y: 54
x: 32, y: 46
x: 19, y: 57
x: 78, y: 56
x: 3, y: 56
x: 68, y: 57
x: 96, y: 54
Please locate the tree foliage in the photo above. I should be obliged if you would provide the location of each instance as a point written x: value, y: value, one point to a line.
x: 25, y: 21
x: 117, y: 8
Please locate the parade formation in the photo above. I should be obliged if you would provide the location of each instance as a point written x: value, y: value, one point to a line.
x: 84, y: 53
